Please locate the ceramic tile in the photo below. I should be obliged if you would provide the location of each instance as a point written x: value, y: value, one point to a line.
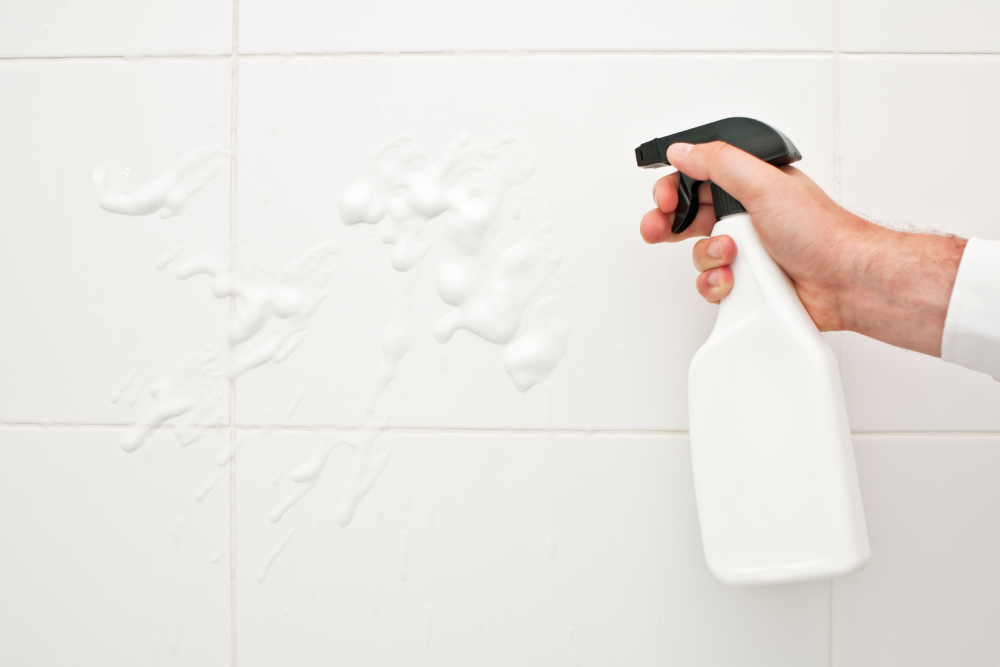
x: 930, y: 594
x: 964, y: 26
x: 892, y: 112
x: 115, y: 27
x: 307, y: 130
x: 494, y: 549
x: 84, y: 304
x: 448, y: 25
x: 107, y: 559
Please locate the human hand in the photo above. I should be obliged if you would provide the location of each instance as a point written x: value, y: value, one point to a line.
x: 849, y: 273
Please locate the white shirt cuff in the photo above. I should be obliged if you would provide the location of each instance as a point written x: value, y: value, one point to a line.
x: 972, y: 326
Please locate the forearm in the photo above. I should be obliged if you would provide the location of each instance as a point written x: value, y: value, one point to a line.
x: 901, y: 288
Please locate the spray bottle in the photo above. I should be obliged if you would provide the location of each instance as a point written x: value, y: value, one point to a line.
x: 774, y: 474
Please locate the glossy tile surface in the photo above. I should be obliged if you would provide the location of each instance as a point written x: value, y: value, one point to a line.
x: 498, y: 549
x: 895, y: 114
x: 84, y: 305
x: 107, y: 558
x: 114, y: 27
x: 930, y: 594
x: 307, y: 130
x: 390, y: 26
x: 921, y: 26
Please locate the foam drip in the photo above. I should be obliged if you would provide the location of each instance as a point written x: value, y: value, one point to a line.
x: 369, y: 462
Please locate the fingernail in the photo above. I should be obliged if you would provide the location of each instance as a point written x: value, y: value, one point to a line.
x: 714, y: 251
x: 680, y: 150
x: 713, y: 278
x: 654, y: 197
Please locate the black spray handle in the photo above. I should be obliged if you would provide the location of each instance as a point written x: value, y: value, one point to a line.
x: 752, y: 136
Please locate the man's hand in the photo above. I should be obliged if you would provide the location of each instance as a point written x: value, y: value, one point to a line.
x: 850, y: 274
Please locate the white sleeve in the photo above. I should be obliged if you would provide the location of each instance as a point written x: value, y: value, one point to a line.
x: 972, y: 326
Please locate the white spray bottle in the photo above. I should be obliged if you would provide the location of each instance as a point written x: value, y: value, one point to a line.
x: 774, y: 474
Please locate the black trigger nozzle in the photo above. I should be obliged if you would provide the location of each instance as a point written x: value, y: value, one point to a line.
x: 687, y: 204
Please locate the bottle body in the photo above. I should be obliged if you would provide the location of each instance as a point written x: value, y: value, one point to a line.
x: 771, y: 450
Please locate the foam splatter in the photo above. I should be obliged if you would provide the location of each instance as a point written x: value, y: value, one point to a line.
x: 369, y: 462
x: 189, y: 386
x: 456, y: 201
x: 274, y: 309
x: 272, y: 556
x: 537, y: 352
x: 169, y: 194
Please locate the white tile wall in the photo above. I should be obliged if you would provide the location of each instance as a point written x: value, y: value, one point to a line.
x: 500, y: 549
x: 920, y: 26
x: 928, y: 597
x: 80, y: 282
x: 115, y: 27
x: 556, y: 526
x: 387, y: 26
x: 107, y: 558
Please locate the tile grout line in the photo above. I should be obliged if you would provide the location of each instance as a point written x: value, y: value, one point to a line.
x: 233, y: 181
x: 838, y: 197
x: 349, y: 55
x: 320, y: 429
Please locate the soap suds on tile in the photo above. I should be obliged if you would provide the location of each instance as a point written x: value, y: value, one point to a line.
x: 117, y: 392
x: 272, y: 556
x: 369, y: 462
x: 169, y: 194
x: 274, y: 310
x: 169, y: 256
x: 273, y: 315
x: 456, y: 201
x: 187, y: 387
x: 207, y: 486
x: 136, y: 391
x: 537, y: 352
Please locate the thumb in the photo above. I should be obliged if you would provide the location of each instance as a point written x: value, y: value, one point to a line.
x: 737, y: 172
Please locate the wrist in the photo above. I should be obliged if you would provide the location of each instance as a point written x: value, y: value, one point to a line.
x: 899, y: 286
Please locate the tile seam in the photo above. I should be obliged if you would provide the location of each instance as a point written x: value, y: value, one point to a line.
x: 233, y: 182
x: 316, y: 428
x: 940, y: 55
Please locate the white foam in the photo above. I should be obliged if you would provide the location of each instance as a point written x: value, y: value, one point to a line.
x: 537, y: 352
x: 455, y: 201
x: 170, y: 193
x: 272, y: 556
x: 306, y: 476
x: 169, y: 256
x: 218, y: 555
x: 294, y: 405
x: 188, y: 386
x: 369, y: 462
x: 274, y: 310
x: 228, y: 453
x: 117, y: 392
x: 207, y: 486
x: 133, y: 395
